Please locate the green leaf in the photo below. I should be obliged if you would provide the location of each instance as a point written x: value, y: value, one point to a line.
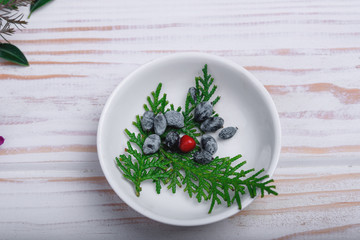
x: 13, y: 54
x: 222, y: 180
x: 37, y: 4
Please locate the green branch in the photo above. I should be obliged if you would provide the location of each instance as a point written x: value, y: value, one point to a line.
x: 222, y: 180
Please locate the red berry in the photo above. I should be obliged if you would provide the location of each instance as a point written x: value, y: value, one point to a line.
x: 187, y: 144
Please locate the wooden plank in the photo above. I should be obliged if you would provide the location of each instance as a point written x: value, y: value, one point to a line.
x: 306, y: 53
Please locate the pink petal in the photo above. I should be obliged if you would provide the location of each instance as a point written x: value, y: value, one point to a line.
x: 2, y: 140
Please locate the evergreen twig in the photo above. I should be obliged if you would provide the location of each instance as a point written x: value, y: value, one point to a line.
x: 217, y: 182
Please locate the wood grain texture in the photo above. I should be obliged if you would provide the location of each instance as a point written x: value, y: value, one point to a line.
x: 306, y: 53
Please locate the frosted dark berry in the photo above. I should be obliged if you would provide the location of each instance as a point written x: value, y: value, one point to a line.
x: 193, y: 94
x: 203, y: 111
x: 208, y: 143
x: 227, y: 133
x: 151, y: 144
x: 212, y: 124
x: 174, y: 119
x: 172, y: 140
x: 147, y: 121
x: 159, y: 124
x: 202, y: 157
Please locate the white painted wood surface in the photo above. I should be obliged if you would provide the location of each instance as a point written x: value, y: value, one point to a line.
x: 306, y: 53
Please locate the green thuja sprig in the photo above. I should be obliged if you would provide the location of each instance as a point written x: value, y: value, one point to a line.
x: 205, y: 90
x: 156, y: 103
x: 220, y: 181
x: 205, y: 87
x: 138, y: 167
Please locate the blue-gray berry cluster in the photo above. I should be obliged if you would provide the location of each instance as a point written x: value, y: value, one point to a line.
x: 209, y: 148
x: 203, y: 114
x: 158, y: 124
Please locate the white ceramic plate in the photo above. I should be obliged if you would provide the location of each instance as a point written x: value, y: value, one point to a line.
x: 244, y: 103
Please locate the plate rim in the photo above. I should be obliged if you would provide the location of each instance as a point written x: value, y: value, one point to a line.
x: 259, y: 86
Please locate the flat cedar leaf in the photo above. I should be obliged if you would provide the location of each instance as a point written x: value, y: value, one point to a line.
x: 37, y: 4
x: 218, y: 180
x: 13, y: 54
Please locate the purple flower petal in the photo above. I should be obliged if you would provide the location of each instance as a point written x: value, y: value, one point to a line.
x: 2, y: 140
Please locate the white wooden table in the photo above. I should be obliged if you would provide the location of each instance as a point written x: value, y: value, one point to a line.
x: 306, y: 53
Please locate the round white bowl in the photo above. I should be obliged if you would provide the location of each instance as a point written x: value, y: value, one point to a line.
x: 244, y: 103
